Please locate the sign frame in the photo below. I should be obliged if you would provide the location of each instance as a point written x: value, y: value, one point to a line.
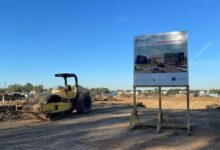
x: 135, y: 120
x: 161, y: 76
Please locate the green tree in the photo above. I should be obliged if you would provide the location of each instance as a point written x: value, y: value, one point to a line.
x: 2, y: 91
x: 99, y: 91
x: 214, y: 91
x: 50, y: 90
x: 15, y: 88
x: 173, y: 91
x: 156, y: 91
x: 28, y: 87
x: 38, y: 89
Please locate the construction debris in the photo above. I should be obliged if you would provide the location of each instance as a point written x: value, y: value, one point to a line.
x: 140, y: 104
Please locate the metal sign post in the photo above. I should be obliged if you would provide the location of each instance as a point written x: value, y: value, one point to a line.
x: 160, y: 114
x: 136, y: 122
x: 188, y: 110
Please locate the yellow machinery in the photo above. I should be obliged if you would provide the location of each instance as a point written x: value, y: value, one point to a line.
x: 62, y: 100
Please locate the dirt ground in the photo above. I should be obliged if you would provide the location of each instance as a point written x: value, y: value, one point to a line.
x: 106, y: 127
x: 168, y: 102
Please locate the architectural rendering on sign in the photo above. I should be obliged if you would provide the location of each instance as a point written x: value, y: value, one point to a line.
x: 161, y: 59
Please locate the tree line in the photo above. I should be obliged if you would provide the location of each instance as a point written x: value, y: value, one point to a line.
x: 27, y: 88
x: 99, y: 91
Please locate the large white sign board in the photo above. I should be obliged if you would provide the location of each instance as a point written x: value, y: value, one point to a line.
x: 161, y: 59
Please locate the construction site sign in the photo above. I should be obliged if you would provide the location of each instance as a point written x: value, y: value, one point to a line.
x: 161, y: 59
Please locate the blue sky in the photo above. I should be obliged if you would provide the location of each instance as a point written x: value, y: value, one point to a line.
x: 94, y: 39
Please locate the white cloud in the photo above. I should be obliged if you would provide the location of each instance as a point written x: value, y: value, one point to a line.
x: 200, y: 52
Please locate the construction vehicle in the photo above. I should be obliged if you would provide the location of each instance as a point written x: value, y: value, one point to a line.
x: 63, y: 100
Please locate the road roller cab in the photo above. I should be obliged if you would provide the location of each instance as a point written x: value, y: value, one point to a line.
x: 67, y: 91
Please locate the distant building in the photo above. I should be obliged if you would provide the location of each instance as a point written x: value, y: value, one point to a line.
x: 164, y: 92
x: 203, y: 93
x: 141, y: 59
x: 113, y: 93
x: 14, y: 96
x: 127, y: 92
x: 194, y: 94
x: 213, y: 95
x: 182, y: 92
x: 167, y: 58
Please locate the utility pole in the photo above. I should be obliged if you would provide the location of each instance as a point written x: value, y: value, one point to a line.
x: 5, y: 85
x: 3, y: 97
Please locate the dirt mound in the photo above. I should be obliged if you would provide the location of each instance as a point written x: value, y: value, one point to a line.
x: 109, y: 98
x: 8, y: 112
x: 99, y: 98
x: 214, y: 106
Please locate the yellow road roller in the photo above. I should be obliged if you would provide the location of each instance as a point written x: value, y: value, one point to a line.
x: 63, y: 100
